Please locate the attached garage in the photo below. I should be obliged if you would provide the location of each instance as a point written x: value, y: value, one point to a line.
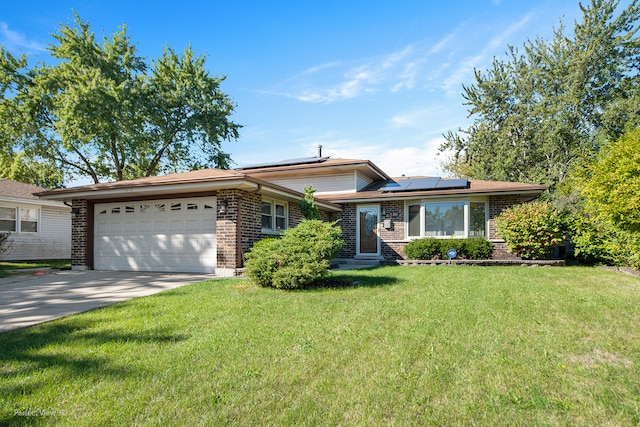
x: 173, y: 235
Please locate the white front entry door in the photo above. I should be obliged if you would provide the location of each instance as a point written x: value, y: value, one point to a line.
x: 173, y: 235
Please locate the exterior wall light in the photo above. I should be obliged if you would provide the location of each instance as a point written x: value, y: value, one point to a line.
x: 222, y: 206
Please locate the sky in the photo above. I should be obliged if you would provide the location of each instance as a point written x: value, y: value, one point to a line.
x: 375, y: 80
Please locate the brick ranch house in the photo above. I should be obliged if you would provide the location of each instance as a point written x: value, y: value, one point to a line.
x: 206, y: 220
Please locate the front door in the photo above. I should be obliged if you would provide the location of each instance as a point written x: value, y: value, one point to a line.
x: 368, y: 241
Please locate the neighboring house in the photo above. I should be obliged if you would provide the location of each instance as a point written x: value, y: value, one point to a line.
x: 40, y: 229
x: 206, y: 220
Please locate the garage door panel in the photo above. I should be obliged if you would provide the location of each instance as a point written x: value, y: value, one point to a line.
x: 130, y: 227
x: 167, y: 235
x: 176, y: 226
x: 160, y: 226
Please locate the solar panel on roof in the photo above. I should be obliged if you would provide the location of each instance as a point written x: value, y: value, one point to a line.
x: 453, y: 183
x: 289, y: 162
x: 424, y: 184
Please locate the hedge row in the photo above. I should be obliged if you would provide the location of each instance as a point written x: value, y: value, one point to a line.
x: 430, y: 248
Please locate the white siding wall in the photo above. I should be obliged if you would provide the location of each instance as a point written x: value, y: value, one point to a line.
x: 362, y: 181
x: 52, y: 242
x: 333, y: 183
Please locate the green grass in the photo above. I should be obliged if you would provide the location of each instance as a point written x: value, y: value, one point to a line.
x: 8, y: 268
x: 440, y: 345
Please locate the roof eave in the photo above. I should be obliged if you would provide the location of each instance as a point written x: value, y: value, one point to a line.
x: 133, y: 189
x: 39, y: 202
x: 435, y: 194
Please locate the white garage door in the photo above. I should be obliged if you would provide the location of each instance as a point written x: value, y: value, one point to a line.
x: 176, y: 235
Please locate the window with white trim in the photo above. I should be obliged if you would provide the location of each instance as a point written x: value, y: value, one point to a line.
x: 19, y: 220
x: 275, y: 216
x: 8, y: 219
x: 446, y: 219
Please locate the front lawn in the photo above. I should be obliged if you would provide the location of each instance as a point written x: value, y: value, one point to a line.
x: 10, y: 268
x: 446, y: 345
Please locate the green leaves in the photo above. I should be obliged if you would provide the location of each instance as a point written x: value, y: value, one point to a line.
x: 102, y: 111
x: 611, y: 184
x: 297, y: 259
x: 539, y: 110
x: 531, y: 230
x: 308, y: 204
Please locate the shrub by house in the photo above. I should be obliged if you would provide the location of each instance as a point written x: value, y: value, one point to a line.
x: 297, y: 259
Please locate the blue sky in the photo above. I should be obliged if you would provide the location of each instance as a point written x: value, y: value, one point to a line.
x: 376, y: 80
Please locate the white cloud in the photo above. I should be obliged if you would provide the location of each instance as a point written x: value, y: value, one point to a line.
x: 14, y: 41
x: 420, y: 64
x: 393, y: 72
x: 395, y: 160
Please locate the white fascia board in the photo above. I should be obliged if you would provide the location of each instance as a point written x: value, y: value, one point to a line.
x: 40, y: 202
x: 155, y: 190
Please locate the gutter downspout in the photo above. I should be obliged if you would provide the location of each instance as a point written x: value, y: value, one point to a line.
x: 239, y: 260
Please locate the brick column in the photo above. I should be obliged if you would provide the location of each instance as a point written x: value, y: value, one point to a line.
x: 226, y: 229
x: 348, y: 225
x: 392, y: 239
x: 79, y: 234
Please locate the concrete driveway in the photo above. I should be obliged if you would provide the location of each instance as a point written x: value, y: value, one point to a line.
x: 36, y: 298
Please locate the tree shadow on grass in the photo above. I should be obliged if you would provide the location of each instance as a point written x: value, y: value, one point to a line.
x: 358, y: 279
x: 66, y: 348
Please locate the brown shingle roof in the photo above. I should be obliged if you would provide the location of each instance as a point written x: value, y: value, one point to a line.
x: 476, y: 187
x: 18, y: 190
x: 324, y: 163
x: 202, y: 175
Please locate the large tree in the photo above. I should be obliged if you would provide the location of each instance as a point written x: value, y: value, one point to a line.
x: 538, y: 111
x: 98, y: 110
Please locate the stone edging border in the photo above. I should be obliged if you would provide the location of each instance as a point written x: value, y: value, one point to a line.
x: 482, y: 262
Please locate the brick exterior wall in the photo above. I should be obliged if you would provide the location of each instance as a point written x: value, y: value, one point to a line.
x: 226, y: 229
x: 347, y: 222
x: 251, y: 221
x: 497, y: 204
x: 295, y: 215
x: 79, y: 234
x: 393, y: 239
x: 227, y: 226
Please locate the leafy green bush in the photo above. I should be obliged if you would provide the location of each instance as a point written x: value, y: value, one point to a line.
x: 476, y: 248
x: 423, y: 249
x: 531, y: 230
x: 297, y: 259
x: 430, y: 248
x: 600, y: 242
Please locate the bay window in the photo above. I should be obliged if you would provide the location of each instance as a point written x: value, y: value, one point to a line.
x: 447, y: 219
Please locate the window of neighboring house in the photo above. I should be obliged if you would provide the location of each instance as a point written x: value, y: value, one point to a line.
x: 28, y: 220
x: 8, y: 218
x: 274, y: 216
x: 19, y: 220
x: 447, y: 219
